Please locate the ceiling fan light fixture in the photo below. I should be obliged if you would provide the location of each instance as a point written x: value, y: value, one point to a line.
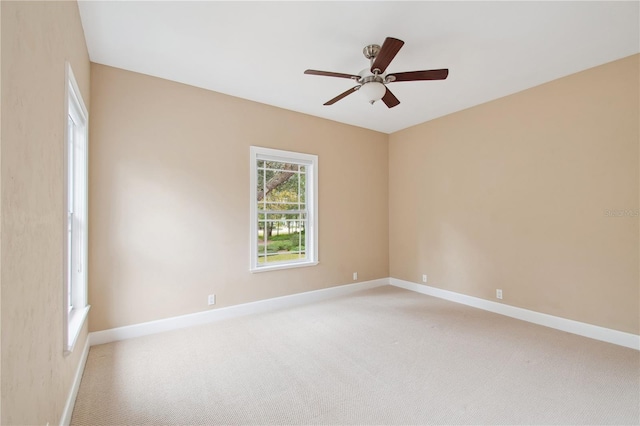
x: 373, y: 91
x: 372, y: 81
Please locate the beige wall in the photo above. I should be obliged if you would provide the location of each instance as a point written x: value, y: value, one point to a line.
x: 37, y: 38
x: 512, y: 194
x: 169, y: 199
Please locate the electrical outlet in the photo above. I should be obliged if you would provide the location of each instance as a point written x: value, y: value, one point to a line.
x: 211, y: 300
x: 498, y: 293
x: 355, y: 276
x: 424, y: 278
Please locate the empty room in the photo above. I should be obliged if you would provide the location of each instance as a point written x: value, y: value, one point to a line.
x: 319, y: 212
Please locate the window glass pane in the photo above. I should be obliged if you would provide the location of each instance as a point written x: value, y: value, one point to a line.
x: 281, y: 238
x: 281, y: 182
x: 282, y: 234
x: 303, y: 188
x: 70, y: 165
x: 260, y: 182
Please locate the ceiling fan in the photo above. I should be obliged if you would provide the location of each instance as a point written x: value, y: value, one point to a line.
x: 372, y: 81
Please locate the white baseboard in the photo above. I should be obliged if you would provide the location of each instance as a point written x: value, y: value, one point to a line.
x: 198, y: 318
x: 583, y: 329
x: 580, y: 328
x: 65, y: 420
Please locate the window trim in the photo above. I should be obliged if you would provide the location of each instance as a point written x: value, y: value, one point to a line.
x: 311, y: 162
x: 74, y: 316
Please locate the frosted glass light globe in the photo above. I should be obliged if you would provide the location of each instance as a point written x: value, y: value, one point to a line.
x: 373, y: 91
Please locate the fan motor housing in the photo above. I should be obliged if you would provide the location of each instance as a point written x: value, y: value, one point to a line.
x: 366, y: 76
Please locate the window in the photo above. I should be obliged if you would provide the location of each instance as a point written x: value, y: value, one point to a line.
x: 75, y: 250
x: 284, y: 209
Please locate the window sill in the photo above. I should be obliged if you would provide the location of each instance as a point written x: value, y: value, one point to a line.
x: 77, y: 318
x: 283, y: 266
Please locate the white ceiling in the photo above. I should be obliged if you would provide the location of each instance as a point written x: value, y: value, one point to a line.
x: 259, y: 50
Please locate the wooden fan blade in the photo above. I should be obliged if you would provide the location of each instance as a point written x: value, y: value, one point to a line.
x: 332, y: 74
x: 342, y: 95
x: 389, y: 99
x: 419, y: 75
x: 388, y: 51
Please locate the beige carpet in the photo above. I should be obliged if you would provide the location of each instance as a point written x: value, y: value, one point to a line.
x: 381, y: 356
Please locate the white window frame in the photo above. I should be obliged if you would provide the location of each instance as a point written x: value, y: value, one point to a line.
x: 310, y: 162
x: 76, y: 146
